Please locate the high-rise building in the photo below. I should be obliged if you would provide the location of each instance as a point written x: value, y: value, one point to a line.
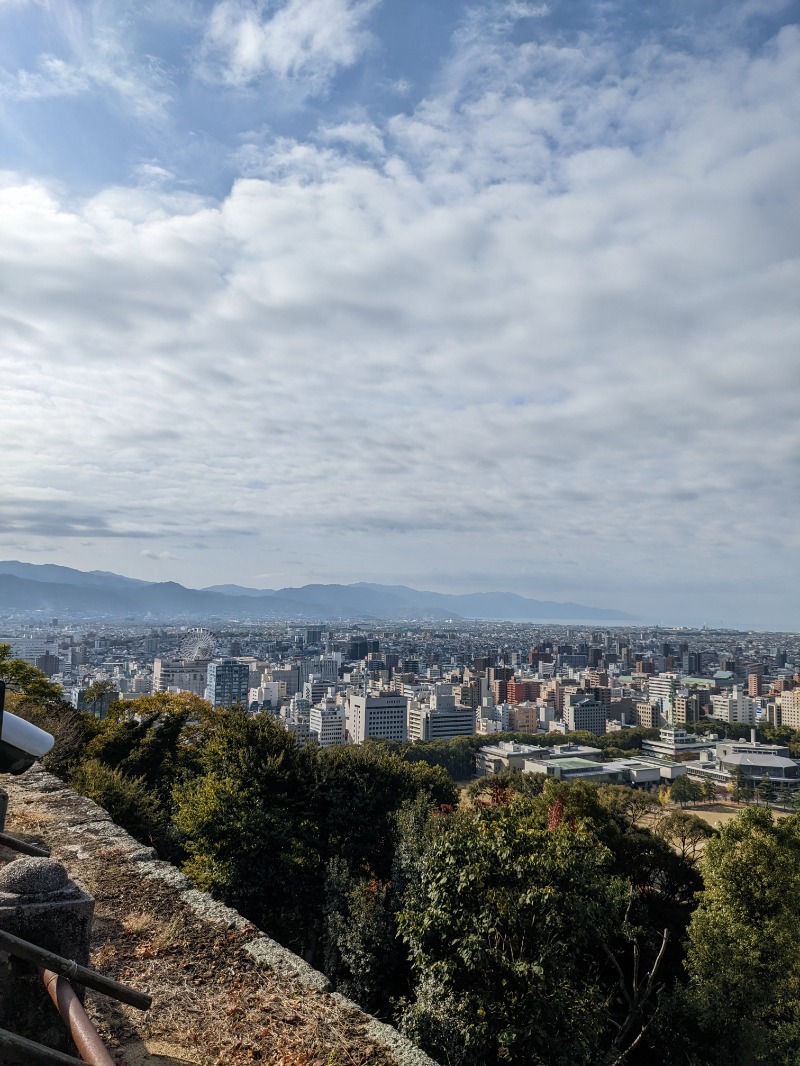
x: 315, y: 689
x: 29, y: 648
x: 687, y: 707
x: 790, y: 708
x: 523, y: 717
x: 184, y: 675
x: 734, y: 707
x: 442, y: 719
x: 586, y: 713
x: 48, y: 663
x: 379, y: 717
x: 228, y: 682
x: 662, y: 688
x: 327, y: 723
x: 692, y: 663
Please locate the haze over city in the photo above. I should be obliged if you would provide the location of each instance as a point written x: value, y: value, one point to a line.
x: 467, y: 298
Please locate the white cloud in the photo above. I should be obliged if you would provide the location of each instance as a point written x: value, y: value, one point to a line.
x: 361, y: 135
x: 556, y: 320
x: 308, y: 40
x: 94, y: 56
x: 517, y: 9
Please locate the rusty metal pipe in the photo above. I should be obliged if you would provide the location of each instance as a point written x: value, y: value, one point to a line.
x: 90, y: 1047
x: 19, y: 1047
x: 23, y: 949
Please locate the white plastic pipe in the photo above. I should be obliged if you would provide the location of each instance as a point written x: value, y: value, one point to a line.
x: 24, y: 736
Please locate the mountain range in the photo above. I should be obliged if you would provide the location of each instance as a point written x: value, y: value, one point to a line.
x: 29, y: 588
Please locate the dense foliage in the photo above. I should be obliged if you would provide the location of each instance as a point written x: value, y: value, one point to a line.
x: 518, y: 921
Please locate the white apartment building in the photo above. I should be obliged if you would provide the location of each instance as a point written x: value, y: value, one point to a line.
x: 660, y: 689
x: 327, y: 723
x: 381, y: 717
x: 491, y: 718
x: 789, y: 703
x: 736, y: 707
x: 268, y: 692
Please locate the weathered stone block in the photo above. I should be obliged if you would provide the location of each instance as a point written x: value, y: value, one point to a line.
x: 40, y: 904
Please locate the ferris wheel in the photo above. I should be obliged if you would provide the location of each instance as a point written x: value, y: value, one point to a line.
x: 198, y: 644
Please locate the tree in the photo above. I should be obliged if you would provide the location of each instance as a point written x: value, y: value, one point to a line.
x: 248, y: 828
x: 31, y: 684
x: 743, y: 960
x: 128, y: 800
x: 766, y: 790
x: 490, y: 981
x: 686, y: 833
x: 97, y: 697
x: 158, y: 738
x: 709, y: 789
x: 362, y: 953
x: 457, y: 756
x: 631, y: 804
x: 355, y: 791
x: 736, y: 784
x: 500, y: 787
x: 505, y: 924
x: 290, y: 835
x: 34, y: 697
x: 684, y: 790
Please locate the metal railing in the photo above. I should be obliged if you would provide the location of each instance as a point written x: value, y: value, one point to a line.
x: 54, y: 970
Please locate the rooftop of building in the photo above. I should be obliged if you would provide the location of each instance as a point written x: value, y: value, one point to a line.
x: 575, y: 763
x: 760, y: 758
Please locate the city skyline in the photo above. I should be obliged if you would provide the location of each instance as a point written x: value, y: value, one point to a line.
x: 464, y: 299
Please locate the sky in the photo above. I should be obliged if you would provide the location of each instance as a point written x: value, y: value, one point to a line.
x: 465, y: 297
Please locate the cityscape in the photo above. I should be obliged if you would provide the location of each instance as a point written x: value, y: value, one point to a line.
x: 353, y: 682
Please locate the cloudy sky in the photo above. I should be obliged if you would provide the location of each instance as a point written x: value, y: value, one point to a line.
x: 465, y: 297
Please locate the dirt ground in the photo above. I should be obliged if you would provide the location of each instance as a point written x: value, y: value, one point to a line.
x: 717, y: 814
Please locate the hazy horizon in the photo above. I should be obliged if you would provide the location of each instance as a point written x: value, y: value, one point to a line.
x: 635, y: 620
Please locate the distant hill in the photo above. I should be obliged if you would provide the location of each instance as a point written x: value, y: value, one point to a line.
x: 65, y: 575
x: 27, y: 589
x: 238, y: 590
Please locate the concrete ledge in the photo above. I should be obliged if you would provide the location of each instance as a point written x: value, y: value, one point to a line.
x: 268, y: 952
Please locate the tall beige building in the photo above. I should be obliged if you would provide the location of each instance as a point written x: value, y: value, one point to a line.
x: 185, y: 675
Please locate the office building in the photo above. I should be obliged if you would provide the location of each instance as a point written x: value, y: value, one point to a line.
x: 376, y: 716
x: 326, y: 723
x: 584, y: 712
x: 228, y: 682
x: 182, y: 675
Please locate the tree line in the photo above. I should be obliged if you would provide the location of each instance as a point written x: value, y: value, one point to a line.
x: 517, y: 921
